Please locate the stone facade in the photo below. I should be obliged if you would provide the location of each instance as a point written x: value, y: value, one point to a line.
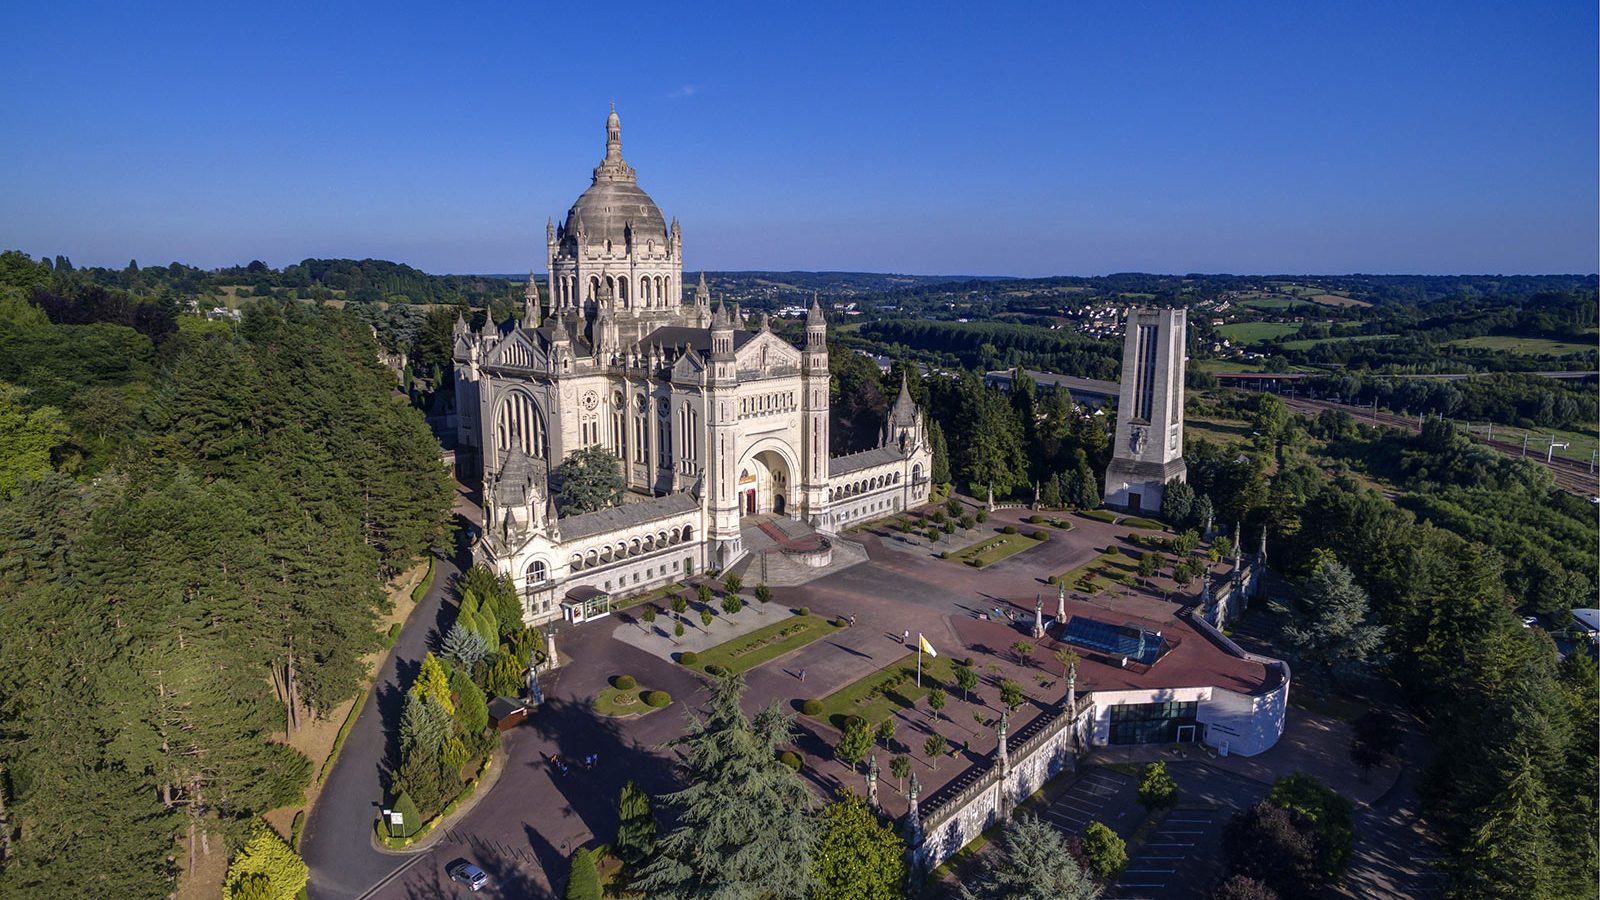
x: 1148, y: 451
x: 712, y: 418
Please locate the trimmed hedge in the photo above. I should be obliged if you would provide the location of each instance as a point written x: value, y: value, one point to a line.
x: 624, y: 683
x: 804, y: 611
x: 657, y: 699
x: 688, y: 658
x: 812, y: 708
x: 1041, y: 535
x: 841, y: 622
x: 1009, y: 529
x: 792, y: 759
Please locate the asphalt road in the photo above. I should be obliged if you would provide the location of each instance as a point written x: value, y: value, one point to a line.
x: 337, y: 841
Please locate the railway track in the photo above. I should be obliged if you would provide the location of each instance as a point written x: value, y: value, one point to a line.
x: 1570, y: 474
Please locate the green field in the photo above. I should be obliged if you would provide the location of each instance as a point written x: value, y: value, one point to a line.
x: 767, y: 643
x: 1308, y: 344
x: 1221, y: 431
x: 991, y: 550
x: 1255, y: 332
x: 1523, y: 346
x: 1273, y: 303
x: 881, y: 694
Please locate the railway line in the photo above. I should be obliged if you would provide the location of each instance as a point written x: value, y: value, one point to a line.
x: 1571, y: 475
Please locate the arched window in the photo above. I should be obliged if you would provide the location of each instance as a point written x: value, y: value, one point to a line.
x: 575, y: 563
x: 518, y: 422
x: 688, y: 534
x: 538, y: 573
x: 644, y: 290
x: 635, y: 547
x: 594, y: 287
x: 622, y: 289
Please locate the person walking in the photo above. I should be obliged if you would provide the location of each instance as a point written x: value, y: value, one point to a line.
x: 802, y: 676
x: 905, y: 637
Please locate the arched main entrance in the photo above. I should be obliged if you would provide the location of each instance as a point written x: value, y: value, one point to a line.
x: 765, y: 483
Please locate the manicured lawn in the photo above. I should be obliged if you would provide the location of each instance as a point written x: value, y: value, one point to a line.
x: 992, y: 549
x: 1102, y: 572
x: 652, y: 594
x: 767, y: 643
x: 1141, y: 522
x: 615, y: 703
x: 1255, y: 332
x: 1099, y: 515
x: 880, y: 695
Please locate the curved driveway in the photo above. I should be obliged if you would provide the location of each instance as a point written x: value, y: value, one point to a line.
x: 337, y: 842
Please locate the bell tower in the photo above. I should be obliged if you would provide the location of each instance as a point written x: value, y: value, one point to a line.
x: 1148, y: 451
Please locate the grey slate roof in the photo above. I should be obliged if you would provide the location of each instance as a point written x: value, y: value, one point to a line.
x: 866, y: 459
x: 672, y: 336
x: 628, y: 515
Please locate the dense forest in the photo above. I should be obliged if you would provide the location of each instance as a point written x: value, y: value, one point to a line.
x: 196, y: 522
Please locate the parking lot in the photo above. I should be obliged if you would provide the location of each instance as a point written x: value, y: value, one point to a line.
x: 1183, y: 856
x: 1100, y: 794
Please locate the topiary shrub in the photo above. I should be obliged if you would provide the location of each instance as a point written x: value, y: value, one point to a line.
x: 657, y: 699
x: 965, y: 662
x: 624, y: 683
x: 1009, y: 529
x: 1036, y: 520
x: 792, y: 759
x: 688, y: 657
x: 1113, y: 550
x: 812, y: 708
x: 948, y: 528
x: 1041, y: 535
x: 841, y: 622
x: 804, y: 611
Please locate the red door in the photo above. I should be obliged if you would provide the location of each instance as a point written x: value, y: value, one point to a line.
x: 750, y: 502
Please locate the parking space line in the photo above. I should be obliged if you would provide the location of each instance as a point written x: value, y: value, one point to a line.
x: 1168, y: 844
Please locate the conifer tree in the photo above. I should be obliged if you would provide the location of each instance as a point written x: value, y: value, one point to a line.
x: 636, y: 824
x: 1035, y: 864
x: 745, y: 825
x: 583, y: 881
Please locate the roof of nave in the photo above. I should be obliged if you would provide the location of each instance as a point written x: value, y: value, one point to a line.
x: 621, y: 518
x: 673, y: 336
x: 866, y: 459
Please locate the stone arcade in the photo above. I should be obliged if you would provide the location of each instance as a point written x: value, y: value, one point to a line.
x: 712, y: 419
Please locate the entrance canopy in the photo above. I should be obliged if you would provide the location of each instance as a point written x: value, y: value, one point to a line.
x: 584, y: 603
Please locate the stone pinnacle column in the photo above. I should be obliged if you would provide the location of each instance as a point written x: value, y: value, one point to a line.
x: 1061, y: 604
x: 1038, y: 615
x: 872, y: 781
x: 550, y: 656
x: 1005, y: 765
x: 913, y: 816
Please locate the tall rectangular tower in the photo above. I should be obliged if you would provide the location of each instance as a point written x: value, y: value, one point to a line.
x: 1148, y: 451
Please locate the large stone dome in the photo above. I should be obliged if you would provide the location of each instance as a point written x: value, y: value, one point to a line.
x: 614, y: 204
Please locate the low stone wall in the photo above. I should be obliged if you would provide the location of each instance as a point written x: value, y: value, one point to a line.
x: 1045, y: 748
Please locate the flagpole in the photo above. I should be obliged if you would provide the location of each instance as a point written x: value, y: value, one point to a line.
x: 919, y: 659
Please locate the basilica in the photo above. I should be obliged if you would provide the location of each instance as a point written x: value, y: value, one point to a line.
x: 717, y: 424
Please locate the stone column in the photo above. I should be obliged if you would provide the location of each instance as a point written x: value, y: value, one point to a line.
x: 872, y: 781
x: 1061, y: 605
x: 1005, y: 766
x: 550, y: 656
x: 1038, y: 615
x: 913, y: 816
x: 991, y: 498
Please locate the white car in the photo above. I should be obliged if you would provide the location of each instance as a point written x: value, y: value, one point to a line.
x: 1529, y: 621
x: 468, y: 874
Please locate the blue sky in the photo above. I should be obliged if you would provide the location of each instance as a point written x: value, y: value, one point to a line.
x: 1064, y: 138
